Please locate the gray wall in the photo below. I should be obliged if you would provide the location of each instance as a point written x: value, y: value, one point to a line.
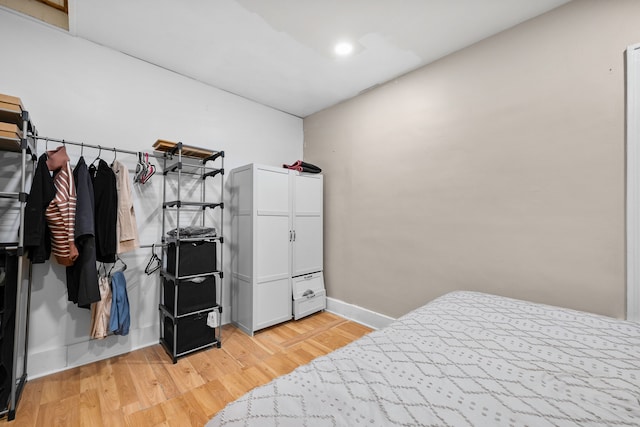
x: 499, y: 168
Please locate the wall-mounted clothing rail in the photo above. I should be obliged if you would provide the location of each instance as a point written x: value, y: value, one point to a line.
x: 106, y: 149
x: 97, y: 147
x: 153, y: 245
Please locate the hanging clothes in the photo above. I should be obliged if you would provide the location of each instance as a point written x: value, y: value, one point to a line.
x: 106, y: 210
x: 126, y: 226
x: 82, y: 276
x: 61, y: 212
x: 101, y: 310
x: 120, y: 318
x: 37, y: 237
x: 85, y: 204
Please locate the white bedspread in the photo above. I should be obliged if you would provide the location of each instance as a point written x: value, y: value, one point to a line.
x: 465, y: 359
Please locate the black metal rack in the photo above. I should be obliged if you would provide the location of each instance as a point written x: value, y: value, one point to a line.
x: 24, y: 146
x: 179, y: 320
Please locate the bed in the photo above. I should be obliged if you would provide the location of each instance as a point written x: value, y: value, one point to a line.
x: 465, y: 359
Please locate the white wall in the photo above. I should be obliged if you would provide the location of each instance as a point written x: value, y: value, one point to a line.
x: 81, y: 91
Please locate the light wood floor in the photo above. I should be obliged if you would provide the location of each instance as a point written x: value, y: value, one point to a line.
x: 143, y: 388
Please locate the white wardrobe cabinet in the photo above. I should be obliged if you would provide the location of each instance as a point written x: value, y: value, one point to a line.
x: 276, y: 226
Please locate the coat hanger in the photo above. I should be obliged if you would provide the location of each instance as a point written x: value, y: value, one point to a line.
x: 104, y: 269
x: 115, y: 154
x: 98, y: 157
x: 151, y: 169
x: 139, y: 168
x: 124, y: 266
x: 154, y: 262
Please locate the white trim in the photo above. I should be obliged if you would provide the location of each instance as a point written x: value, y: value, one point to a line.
x: 358, y: 314
x: 31, y: 18
x: 71, y: 13
x: 633, y: 182
x: 63, y: 358
x: 83, y: 353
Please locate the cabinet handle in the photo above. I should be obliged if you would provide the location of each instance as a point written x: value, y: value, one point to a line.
x: 294, y: 235
x: 290, y: 235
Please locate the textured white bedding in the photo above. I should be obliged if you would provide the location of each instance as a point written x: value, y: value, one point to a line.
x: 465, y: 359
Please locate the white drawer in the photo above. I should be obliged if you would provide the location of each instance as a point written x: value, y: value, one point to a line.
x: 307, y: 305
x: 307, y: 284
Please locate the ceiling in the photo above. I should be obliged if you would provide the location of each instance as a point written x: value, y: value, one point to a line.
x: 280, y: 52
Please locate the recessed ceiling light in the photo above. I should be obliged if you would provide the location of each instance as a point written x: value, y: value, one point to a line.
x: 343, y: 49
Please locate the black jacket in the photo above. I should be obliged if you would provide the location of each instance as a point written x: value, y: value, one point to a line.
x: 82, y: 276
x: 85, y: 200
x: 36, y: 231
x: 106, y: 210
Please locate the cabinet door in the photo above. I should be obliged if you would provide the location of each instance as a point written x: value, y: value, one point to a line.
x: 272, y: 303
x: 272, y: 288
x: 307, y: 224
x: 272, y: 225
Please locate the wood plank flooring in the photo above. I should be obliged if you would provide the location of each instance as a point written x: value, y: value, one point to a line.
x: 143, y: 388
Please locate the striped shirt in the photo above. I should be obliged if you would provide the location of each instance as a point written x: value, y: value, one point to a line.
x: 61, y: 217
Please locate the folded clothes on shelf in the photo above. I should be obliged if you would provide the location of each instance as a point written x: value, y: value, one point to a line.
x: 193, y: 231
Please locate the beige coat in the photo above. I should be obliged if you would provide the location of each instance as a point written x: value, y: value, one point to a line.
x: 127, y: 228
x: 101, y: 310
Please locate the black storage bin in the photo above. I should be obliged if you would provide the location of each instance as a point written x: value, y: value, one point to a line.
x: 193, y: 294
x: 8, y: 289
x: 192, y: 332
x: 195, y: 258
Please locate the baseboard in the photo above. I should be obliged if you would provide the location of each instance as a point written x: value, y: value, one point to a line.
x: 71, y: 356
x: 85, y: 352
x: 358, y: 314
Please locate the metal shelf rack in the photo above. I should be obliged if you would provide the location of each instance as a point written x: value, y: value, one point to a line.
x: 172, y: 318
x: 24, y: 146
